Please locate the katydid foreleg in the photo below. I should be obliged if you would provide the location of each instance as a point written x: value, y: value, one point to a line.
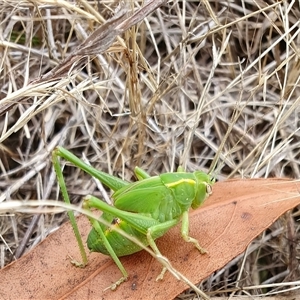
x: 185, y: 231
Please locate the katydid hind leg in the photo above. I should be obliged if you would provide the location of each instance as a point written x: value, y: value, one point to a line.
x: 114, y: 183
x: 185, y: 232
x: 112, y: 253
x: 63, y: 188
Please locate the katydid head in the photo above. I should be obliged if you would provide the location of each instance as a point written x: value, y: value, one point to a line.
x: 204, y: 184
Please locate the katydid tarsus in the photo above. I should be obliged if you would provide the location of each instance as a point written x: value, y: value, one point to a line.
x: 145, y: 209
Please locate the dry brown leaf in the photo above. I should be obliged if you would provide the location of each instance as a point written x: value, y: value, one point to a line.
x: 231, y: 218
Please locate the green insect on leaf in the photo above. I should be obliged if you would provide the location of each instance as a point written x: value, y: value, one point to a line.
x: 145, y: 209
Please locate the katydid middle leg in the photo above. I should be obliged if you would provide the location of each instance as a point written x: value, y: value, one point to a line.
x: 184, y: 232
x: 150, y: 232
x: 140, y: 173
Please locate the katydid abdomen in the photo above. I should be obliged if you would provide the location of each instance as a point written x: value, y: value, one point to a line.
x: 134, y: 224
x: 120, y: 244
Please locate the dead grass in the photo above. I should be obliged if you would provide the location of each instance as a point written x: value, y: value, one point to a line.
x: 211, y: 86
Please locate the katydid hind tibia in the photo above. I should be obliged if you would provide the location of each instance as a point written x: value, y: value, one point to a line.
x: 145, y: 209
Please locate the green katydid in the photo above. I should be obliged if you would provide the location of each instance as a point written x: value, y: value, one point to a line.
x: 145, y: 209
